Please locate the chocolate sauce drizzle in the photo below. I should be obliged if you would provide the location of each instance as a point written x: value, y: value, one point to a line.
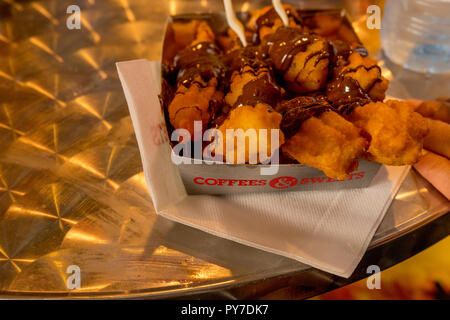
x: 345, y: 93
x: 298, y: 110
x: 283, y: 45
x: 268, y: 20
x: 342, y: 50
x: 202, y: 59
x: 250, y: 56
x: 261, y: 90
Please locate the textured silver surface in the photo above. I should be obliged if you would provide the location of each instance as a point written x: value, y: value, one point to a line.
x: 72, y: 190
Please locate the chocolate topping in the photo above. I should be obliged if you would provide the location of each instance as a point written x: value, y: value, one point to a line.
x: 286, y: 43
x: 250, y: 56
x: 261, y: 90
x: 344, y: 92
x: 342, y: 50
x: 298, y: 110
x: 202, y: 59
x: 268, y: 20
x: 347, y: 108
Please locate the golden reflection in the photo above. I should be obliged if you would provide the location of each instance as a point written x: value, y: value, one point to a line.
x: 95, y: 288
x: 4, y: 39
x: 126, y: 6
x: 410, y: 193
x: 7, y: 258
x: 4, y: 254
x: 41, y: 45
x: 7, y: 76
x: 162, y: 250
x: 87, y: 167
x: 17, y: 209
x: 80, y: 235
x: 44, y: 92
x: 94, y: 171
x: 14, y: 131
x: 6, y: 33
x: 95, y: 36
x: 41, y: 147
x: 141, y: 180
x: 173, y: 283
x: 134, y: 250
x: 110, y: 159
x: 173, y: 7
x: 123, y: 228
x: 94, y: 112
x: 245, y: 6
x: 10, y: 125
x: 39, y: 8
x: 13, y: 3
x: 211, y: 271
x: 10, y: 192
x: 23, y: 260
x: 92, y: 63
x: 56, y: 204
x: 387, y: 74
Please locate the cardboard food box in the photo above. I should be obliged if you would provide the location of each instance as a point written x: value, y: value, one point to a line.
x: 207, y: 177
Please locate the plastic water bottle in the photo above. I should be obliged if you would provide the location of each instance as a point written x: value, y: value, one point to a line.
x: 416, y: 34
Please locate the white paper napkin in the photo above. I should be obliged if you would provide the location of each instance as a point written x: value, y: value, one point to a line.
x: 329, y: 230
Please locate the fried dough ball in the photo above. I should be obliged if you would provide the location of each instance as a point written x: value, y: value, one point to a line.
x: 368, y: 76
x: 203, y: 34
x: 192, y: 32
x: 256, y: 117
x: 357, y: 78
x: 250, y: 87
x: 199, y: 80
x: 249, y: 56
x: 251, y: 82
x: 266, y: 20
x: 395, y: 131
x: 308, y: 74
x: 321, y: 138
x: 230, y: 40
x: 325, y: 24
x: 437, y: 110
x: 438, y: 138
x: 301, y: 58
x: 193, y: 104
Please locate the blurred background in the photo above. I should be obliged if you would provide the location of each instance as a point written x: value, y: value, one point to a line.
x: 424, y: 276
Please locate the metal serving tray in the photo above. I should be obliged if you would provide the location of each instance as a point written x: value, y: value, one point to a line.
x: 72, y: 191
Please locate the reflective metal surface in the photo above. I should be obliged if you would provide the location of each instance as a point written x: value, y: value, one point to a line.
x: 72, y: 191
